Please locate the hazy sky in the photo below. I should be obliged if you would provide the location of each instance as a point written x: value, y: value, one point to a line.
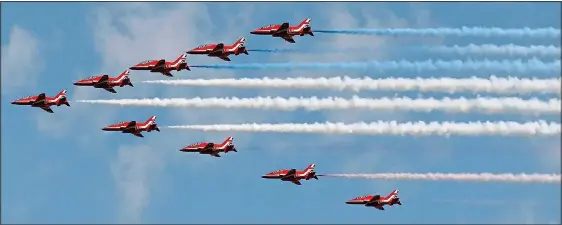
x: 62, y: 168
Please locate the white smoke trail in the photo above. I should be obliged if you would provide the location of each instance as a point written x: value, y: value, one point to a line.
x: 521, y: 66
x: 420, y: 128
x: 478, y: 177
x: 460, y: 105
x: 485, y: 49
x: 550, y: 32
x: 494, y: 84
x: 510, y: 49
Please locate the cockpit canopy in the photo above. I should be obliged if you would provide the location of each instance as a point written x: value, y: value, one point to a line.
x: 146, y: 61
x: 268, y: 26
x: 203, y: 46
x: 360, y: 197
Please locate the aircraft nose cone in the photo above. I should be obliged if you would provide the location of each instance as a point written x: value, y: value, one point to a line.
x: 105, y: 128
x: 253, y: 32
x: 264, y: 176
x: 14, y: 102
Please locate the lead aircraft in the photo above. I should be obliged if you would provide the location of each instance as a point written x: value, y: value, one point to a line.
x: 285, y: 31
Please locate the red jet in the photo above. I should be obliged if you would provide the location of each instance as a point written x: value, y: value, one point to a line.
x: 43, y: 102
x: 285, y: 31
x: 293, y: 175
x: 211, y: 148
x: 161, y: 66
x: 106, y: 82
x: 376, y: 200
x: 133, y: 128
x: 220, y: 50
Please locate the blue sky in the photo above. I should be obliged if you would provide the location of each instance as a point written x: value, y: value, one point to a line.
x: 61, y: 168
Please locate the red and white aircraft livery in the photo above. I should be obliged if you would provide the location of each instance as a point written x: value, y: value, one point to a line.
x: 293, y: 175
x: 211, y: 148
x: 220, y: 50
x: 376, y: 200
x: 161, y: 66
x: 43, y: 102
x: 285, y: 31
x: 106, y: 82
x: 134, y: 128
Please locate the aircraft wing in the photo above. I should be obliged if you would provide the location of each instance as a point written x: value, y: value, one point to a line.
x: 288, y: 38
x: 47, y: 108
x: 291, y: 173
x: 283, y: 29
x: 379, y: 207
x: 102, y: 82
x: 138, y: 134
x: 131, y: 127
x: 225, y: 58
x: 110, y: 89
x: 167, y: 73
x: 209, y: 147
x: 40, y: 100
x: 160, y: 64
x: 374, y: 201
x: 218, y: 49
x: 216, y: 155
x: 296, y: 182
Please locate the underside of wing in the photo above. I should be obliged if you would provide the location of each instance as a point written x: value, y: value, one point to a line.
x: 289, y: 39
x: 110, y: 89
x: 47, y: 108
x: 225, y: 58
x: 296, y: 182
x: 167, y: 73
x: 138, y: 134
x: 215, y: 154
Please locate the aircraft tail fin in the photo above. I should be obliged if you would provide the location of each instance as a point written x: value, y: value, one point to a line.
x: 393, y: 194
x: 305, y: 21
x: 124, y: 74
x: 62, y: 93
x: 305, y: 25
x: 240, y: 47
x: 227, y: 142
x: 181, y: 62
x: 241, y: 40
x: 151, y: 120
x: 126, y: 78
x: 309, y: 172
x: 61, y: 98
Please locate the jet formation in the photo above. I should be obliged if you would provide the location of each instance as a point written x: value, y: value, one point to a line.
x: 164, y: 67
